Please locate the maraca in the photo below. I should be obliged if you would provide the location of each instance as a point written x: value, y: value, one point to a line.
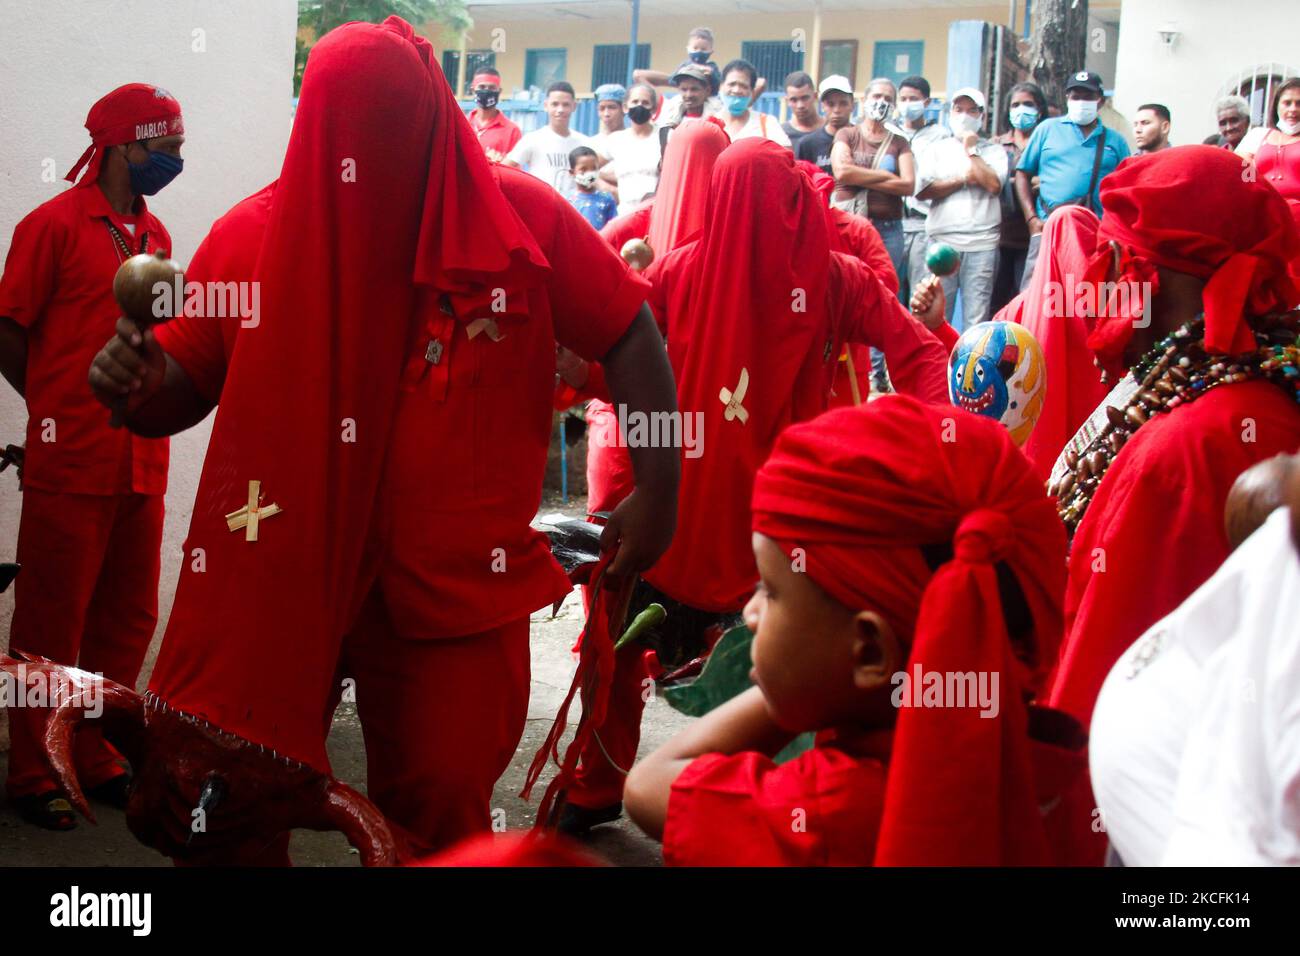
x: 638, y: 254
x: 136, y: 289
x: 942, y: 259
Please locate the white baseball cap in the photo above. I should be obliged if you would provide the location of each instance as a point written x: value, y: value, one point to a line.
x: 970, y: 92
x: 835, y: 84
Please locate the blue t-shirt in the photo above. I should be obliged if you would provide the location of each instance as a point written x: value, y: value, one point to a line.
x: 1062, y: 160
x: 596, y: 207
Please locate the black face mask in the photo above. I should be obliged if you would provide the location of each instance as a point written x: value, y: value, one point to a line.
x: 487, y: 98
x: 639, y: 114
x: 699, y: 56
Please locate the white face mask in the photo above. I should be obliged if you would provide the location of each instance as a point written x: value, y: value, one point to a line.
x: 963, y: 123
x: 586, y: 179
x: 876, y: 109
x: 1082, y: 112
x: 1291, y: 129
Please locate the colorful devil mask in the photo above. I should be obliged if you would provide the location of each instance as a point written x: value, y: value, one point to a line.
x: 996, y: 370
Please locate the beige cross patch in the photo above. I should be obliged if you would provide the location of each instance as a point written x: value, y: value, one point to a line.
x: 733, y: 399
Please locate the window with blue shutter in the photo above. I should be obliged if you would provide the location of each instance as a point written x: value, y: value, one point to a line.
x: 609, y: 62
x: 774, y: 59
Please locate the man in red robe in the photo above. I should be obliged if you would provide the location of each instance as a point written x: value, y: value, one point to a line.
x: 1212, y: 251
x: 92, y: 519
x: 1047, y: 309
x: 756, y: 311
x: 363, y: 516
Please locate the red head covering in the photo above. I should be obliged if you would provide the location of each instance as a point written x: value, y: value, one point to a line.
x: 824, y: 184
x: 745, y: 311
x: 384, y: 201
x: 1046, y: 309
x: 678, y: 212
x: 133, y: 112
x: 862, y: 490
x: 1192, y: 209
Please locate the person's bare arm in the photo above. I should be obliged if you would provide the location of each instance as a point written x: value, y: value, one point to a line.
x: 739, y: 725
x: 904, y: 184
x: 985, y: 176
x: 161, y: 399
x: 941, y: 188
x: 653, y: 77
x: 849, y: 173
x: 1025, y: 195
x: 13, y: 354
x: 641, y: 380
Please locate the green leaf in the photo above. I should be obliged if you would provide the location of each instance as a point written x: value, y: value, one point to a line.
x: 725, y: 674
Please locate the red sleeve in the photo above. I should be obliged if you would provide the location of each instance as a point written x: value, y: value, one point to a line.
x: 515, y: 135
x: 633, y: 225
x: 594, y: 294
x: 868, y: 313
x: 31, y: 268
x: 197, y: 343
x: 566, y: 396
x: 658, y: 275
x: 821, y: 808
x: 946, y: 335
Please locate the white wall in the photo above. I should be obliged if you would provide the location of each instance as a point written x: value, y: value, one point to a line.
x: 230, y: 63
x: 1216, y: 42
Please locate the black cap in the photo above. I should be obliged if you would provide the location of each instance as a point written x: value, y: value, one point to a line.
x: 697, y: 71
x: 1085, y: 80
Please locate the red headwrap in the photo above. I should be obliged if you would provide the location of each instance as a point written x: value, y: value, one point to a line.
x: 861, y: 491
x: 384, y: 202
x: 678, y: 213
x: 1193, y: 209
x: 745, y: 311
x: 130, y: 113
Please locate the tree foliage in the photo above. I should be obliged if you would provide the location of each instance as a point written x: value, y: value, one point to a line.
x: 321, y: 16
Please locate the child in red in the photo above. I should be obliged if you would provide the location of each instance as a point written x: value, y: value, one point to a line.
x: 896, y: 542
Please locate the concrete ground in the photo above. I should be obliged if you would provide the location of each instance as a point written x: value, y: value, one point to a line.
x: 111, y: 844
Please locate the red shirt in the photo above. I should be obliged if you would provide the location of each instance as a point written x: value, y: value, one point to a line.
x: 464, y: 477
x: 498, y: 134
x: 58, y: 285
x: 821, y: 809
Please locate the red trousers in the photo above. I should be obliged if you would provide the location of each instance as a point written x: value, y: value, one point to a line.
x: 604, y: 763
x: 87, y: 595
x: 441, y: 720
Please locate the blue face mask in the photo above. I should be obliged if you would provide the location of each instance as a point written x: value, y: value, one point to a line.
x: 736, y: 105
x: 148, y: 178
x: 699, y: 56
x: 912, y: 110
x: 1024, y: 117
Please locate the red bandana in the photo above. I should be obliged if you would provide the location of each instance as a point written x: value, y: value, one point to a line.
x: 128, y: 114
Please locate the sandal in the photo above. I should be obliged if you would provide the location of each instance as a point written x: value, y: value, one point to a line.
x: 50, y: 810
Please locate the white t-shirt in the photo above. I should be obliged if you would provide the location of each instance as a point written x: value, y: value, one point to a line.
x: 1252, y: 141
x: 545, y: 154
x: 1195, y: 739
x: 634, y: 160
x: 970, y: 219
x: 759, y: 125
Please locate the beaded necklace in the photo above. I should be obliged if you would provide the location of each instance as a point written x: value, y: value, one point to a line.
x: 1176, y: 371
